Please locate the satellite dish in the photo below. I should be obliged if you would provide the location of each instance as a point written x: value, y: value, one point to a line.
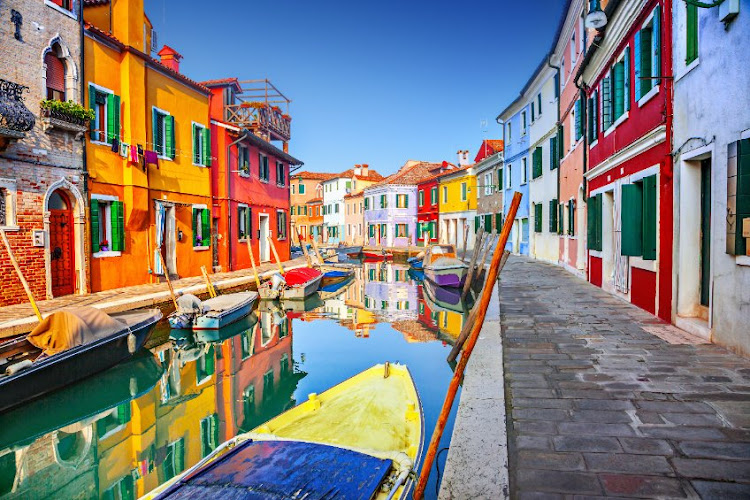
x: 596, y: 19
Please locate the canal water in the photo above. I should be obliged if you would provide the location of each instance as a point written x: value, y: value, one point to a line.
x: 121, y: 433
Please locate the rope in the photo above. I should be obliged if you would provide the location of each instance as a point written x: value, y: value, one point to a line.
x: 439, y: 474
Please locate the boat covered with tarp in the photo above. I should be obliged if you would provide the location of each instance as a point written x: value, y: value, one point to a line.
x: 67, y: 346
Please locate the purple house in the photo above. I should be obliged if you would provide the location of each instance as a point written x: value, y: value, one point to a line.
x: 391, y: 205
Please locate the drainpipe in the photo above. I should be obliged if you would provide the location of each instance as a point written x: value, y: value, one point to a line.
x: 505, y: 145
x: 557, y: 123
x: 229, y: 211
x: 84, y: 169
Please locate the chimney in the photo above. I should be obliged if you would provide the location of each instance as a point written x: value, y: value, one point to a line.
x: 170, y: 58
x: 357, y: 170
x: 365, y: 170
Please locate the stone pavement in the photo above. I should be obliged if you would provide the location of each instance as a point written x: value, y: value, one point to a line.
x: 604, y: 399
x: 20, y: 318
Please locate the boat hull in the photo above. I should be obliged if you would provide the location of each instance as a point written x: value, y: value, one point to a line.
x: 215, y: 320
x: 377, y: 256
x: 67, y: 367
x: 299, y: 292
x: 446, y: 277
x: 334, y: 277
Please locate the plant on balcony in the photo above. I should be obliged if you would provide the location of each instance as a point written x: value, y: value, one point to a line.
x: 67, y: 111
x: 255, y: 104
x: 104, y: 245
x: 286, y: 117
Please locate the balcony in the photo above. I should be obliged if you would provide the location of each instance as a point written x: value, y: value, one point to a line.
x: 15, y: 117
x: 258, y: 107
x: 65, y: 116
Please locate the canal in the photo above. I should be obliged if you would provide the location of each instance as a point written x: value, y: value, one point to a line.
x: 122, y: 433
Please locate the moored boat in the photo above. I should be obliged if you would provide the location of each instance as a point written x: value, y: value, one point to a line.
x: 221, y: 334
x: 446, y: 298
x: 296, y: 284
x: 362, y: 438
x: 443, y: 268
x: 374, y: 256
x: 224, y: 310
x: 333, y: 277
x: 68, y: 346
x: 354, y: 250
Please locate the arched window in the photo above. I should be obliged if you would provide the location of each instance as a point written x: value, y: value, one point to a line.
x: 55, y: 74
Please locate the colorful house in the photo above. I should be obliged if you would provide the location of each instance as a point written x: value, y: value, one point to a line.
x: 250, y: 175
x: 389, y: 291
x: 458, y: 207
x: 711, y: 141
x: 148, y: 154
x: 315, y: 218
x: 354, y: 218
x: 488, y: 164
x: 305, y: 186
x: 335, y: 189
x: 628, y: 75
x: 428, y: 206
x: 515, y: 120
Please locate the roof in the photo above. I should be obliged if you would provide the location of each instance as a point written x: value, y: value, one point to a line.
x: 270, y: 148
x: 372, y: 175
x: 488, y: 148
x: 355, y: 195
x: 456, y: 171
x: 317, y: 176
x: 315, y: 200
x: 223, y: 82
x: 169, y: 51
x: 411, y: 173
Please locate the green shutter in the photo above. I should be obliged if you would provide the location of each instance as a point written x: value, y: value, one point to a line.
x: 631, y: 216
x: 553, y: 161
x: 367, y: 203
x: 649, y: 218
x: 206, y: 226
x: 561, y: 140
x: 169, y: 139
x: 618, y: 72
x: 560, y: 218
x: 117, y: 220
x: 594, y: 227
x: 92, y: 104
x: 500, y: 180
x: 578, y: 122
x: 637, y: 64
x: 571, y: 218
x: 498, y: 223
x: 210, y: 361
x: 207, y: 147
x: 195, y: 226
x: 536, y: 159
x: 590, y: 120
x: 645, y: 60
x: 488, y: 223
x: 94, y: 213
x: 538, y: 218
x: 406, y: 201
x: 532, y: 112
x: 196, y: 147
x: 606, y: 103
x: 596, y: 114
x: 691, y: 33
x: 553, y: 215
x: 113, y: 117
x: 476, y: 223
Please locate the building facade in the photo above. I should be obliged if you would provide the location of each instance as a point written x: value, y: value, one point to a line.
x: 515, y: 121
x: 315, y: 218
x: 428, y: 211
x: 711, y: 148
x: 458, y: 207
x: 335, y: 189
x: 305, y: 186
x: 354, y: 218
x: 488, y: 164
x: 42, y: 175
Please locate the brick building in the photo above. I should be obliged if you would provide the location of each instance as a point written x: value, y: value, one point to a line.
x: 42, y: 177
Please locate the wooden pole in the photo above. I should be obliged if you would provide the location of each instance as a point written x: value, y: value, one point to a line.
x: 474, y: 255
x: 20, y: 275
x: 317, y: 252
x: 304, y: 247
x: 471, y: 342
x: 466, y: 239
x: 209, y: 286
x: 252, y: 262
x: 490, y: 239
x: 166, y: 275
x: 275, y: 254
x: 466, y: 329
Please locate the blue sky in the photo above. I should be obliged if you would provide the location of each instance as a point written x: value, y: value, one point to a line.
x: 371, y: 82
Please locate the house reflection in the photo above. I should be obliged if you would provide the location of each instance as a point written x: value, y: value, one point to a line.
x: 390, y: 291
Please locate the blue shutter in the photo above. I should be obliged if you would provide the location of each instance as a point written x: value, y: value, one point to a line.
x: 606, y: 103
x: 656, y: 45
x: 627, y: 78
x: 637, y: 62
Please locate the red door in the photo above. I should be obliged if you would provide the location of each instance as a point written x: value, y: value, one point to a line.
x: 61, y: 251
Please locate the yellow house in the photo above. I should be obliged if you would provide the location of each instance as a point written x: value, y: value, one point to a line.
x: 148, y: 153
x: 457, y: 192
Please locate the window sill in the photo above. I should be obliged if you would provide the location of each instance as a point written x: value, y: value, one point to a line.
x: 242, y: 240
x: 165, y: 158
x: 199, y: 165
x: 10, y: 228
x: 617, y: 122
x: 101, y: 143
x: 742, y: 260
x: 108, y: 253
x: 60, y: 10
x: 201, y: 248
x: 688, y: 68
x: 593, y: 144
x: 648, y: 96
x: 264, y: 181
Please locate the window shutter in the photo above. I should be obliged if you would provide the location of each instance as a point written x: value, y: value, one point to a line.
x: 595, y: 114
x: 532, y: 112
x: 618, y: 75
x: 571, y: 218
x: 649, y: 218
x: 738, y: 194
x: 691, y: 34
x: 538, y: 218
x: 117, y: 224
x: 656, y: 45
x: 406, y: 201
x: 476, y: 223
x: 499, y: 180
x: 606, y: 103
x: 207, y: 147
x: 646, y: 63
x: 239, y: 225
x: 539, y: 103
x: 92, y: 103
x: 561, y: 140
x: 553, y: 215
x: 113, y: 117
x: 169, y: 139
x: 537, y: 162
x: 626, y: 79
x: 578, y: 119
x: 196, y: 145
x: 195, y: 226
x: 206, y: 226
x: 591, y: 223
x: 560, y: 218
x: 590, y: 120
x: 637, y: 62
x: 94, y: 213
x: 488, y: 223
x: 553, y: 162
x: 367, y: 203
x: 631, y: 216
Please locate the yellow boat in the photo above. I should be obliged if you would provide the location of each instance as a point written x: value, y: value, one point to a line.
x: 359, y: 439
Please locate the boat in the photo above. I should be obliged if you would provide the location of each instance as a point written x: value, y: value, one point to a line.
x: 242, y: 325
x: 416, y: 262
x: 372, y: 256
x: 333, y: 277
x: 85, y: 400
x: 446, y: 298
x: 442, y: 267
x: 67, y: 346
x: 354, y: 250
x: 211, y: 314
x: 329, y: 291
x: 362, y: 438
x: 295, y: 284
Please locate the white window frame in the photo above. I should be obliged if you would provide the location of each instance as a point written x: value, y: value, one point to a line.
x: 243, y: 220
x: 11, y: 198
x: 199, y: 226
x: 201, y: 140
x: 268, y: 174
x: 103, y: 90
x: 108, y: 199
x: 240, y: 172
x: 280, y: 164
x: 524, y: 170
x: 524, y: 123
x: 655, y: 89
x: 509, y: 176
x: 164, y: 156
x: 488, y: 184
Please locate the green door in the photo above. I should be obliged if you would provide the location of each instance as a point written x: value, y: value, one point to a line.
x: 705, y: 230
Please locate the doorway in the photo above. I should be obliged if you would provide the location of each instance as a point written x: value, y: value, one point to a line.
x: 62, y: 258
x: 166, y: 239
x: 263, y: 247
x: 705, y: 260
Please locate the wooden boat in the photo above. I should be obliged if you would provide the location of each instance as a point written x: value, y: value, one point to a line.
x: 446, y: 298
x: 83, y: 400
x: 330, y: 291
x: 95, y: 341
x: 443, y: 268
x: 221, y: 334
x: 374, y: 256
x: 359, y: 439
x: 296, y: 284
x: 350, y: 250
x: 333, y: 277
x: 211, y: 314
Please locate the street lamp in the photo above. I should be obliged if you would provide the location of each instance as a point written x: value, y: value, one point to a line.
x: 596, y: 18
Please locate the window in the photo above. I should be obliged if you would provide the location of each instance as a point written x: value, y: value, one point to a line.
x: 209, y: 434
x: 533, y: 115
x: 174, y: 462
x: 123, y: 489
x: 248, y: 400
x: 510, y: 136
x: 105, y: 127
x: 524, y: 171
x: 163, y: 135
x: 525, y: 230
x: 8, y: 192
x: 205, y: 366
x: 553, y: 215
x: 243, y: 160
x: 63, y: 4
x: 499, y: 179
x: 107, y: 225
x: 578, y: 120
x: 280, y: 174
x: 402, y: 231
x: 691, y: 32
x: 263, y: 167
x: 509, y: 177
x: 571, y: 217
x: 539, y: 104
x: 538, y: 218
x: 201, y: 227
x: 594, y: 226
x: 55, y: 74
x: 433, y: 196
x: 523, y: 122
x: 383, y: 201
x: 421, y: 197
x: 536, y: 163
x: 554, y: 160
x: 738, y: 195
x: 201, y: 145
x: 445, y: 194
x: 557, y: 85
x: 488, y: 184
x: 463, y: 191
x: 573, y: 48
x: 367, y: 203
x: 593, y: 117
x: 244, y: 222
x: 647, y: 52
x: 638, y: 217
x: 301, y: 188
x: 281, y: 224
x: 336, y: 208
x: 402, y: 201
x: 616, y: 91
x: 114, y: 419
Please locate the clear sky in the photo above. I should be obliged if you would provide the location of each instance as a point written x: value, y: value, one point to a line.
x: 371, y: 82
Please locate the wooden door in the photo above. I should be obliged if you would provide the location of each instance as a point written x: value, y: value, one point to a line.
x: 61, y: 252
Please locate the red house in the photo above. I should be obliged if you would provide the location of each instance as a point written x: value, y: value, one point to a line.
x: 428, y: 205
x: 250, y: 179
x: 626, y: 121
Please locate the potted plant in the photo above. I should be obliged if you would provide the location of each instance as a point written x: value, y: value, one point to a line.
x: 104, y: 246
x: 68, y: 111
x: 198, y: 241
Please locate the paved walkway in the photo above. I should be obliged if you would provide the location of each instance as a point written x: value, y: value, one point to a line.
x: 604, y: 399
x: 20, y: 318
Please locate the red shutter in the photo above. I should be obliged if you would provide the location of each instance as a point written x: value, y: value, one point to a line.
x: 55, y: 72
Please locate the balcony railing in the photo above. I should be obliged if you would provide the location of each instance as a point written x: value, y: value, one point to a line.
x: 15, y: 117
x: 258, y: 107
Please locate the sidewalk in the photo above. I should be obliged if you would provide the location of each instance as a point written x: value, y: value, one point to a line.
x: 18, y: 319
x: 605, y: 399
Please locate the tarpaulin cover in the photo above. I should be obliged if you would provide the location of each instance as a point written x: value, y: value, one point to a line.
x: 63, y: 330
x: 300, y: 276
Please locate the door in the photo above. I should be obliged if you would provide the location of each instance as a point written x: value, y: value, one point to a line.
x: 61, y: 245
x: 705, y: 261
x: 169, y: 248
x: 263, y: 238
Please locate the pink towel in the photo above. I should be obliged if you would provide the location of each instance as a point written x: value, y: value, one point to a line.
x: 133, y: 154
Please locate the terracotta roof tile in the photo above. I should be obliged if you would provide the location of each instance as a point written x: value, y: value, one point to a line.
x: 318, y: 176
x: 372, y: 175
x: 223, y: 81
x: 315, y: 200
x: 488, y: 148
x: 411, y: 174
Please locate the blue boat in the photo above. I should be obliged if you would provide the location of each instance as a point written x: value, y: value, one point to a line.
x: 335, y: 276
x: 224, y: 310
x: 415, y: 263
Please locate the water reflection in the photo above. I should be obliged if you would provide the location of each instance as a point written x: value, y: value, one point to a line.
x: 124, y: 432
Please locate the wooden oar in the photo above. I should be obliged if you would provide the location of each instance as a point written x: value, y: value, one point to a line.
x: 304, y: 247
x: 209, y: 286
x: 20, y: 275
x: 252, y: 262
x: 275, y: 254
x: 166, y: 275
x: 471, y: 342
